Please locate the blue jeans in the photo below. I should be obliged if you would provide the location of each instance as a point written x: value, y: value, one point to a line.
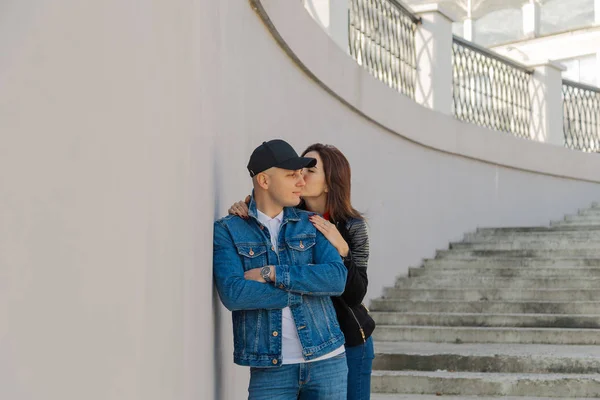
x: 360, y: 362
x: 319, y: 380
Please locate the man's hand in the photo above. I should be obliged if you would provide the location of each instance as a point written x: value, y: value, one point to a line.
x: 254, y: 275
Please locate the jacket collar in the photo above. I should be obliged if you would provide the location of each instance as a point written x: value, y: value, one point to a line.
x: 289, y: 213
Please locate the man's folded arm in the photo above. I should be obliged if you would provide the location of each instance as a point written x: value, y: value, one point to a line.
x: 327, y: 277
x: 235, y: 292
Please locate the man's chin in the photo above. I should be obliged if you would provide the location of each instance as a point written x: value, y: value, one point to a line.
x: 294, y: 202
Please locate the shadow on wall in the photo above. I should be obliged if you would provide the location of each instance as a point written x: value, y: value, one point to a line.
x: 219, y: 355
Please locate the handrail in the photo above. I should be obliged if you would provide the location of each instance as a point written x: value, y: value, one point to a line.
x: 492, y: 54
x: 581, y: 85
x: 406, y: 10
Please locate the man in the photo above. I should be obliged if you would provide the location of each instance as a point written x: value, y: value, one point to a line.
x: 276, y: 273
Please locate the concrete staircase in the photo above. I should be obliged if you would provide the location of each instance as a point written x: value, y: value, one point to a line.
x: 509, y: 312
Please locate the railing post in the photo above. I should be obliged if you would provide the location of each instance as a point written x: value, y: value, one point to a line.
x: 469, y: 29
x: 433, y: 44
x: 547, y: 103
x: 332, y: 16
x: 531, y: 19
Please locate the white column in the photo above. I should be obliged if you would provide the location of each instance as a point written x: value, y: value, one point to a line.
x: 434, y: 58
x: 546, y: 103
x: 597, y: 82
x: 597, y: 11
x: 469, y: 29
x: 332, y: 16
x: 531, y: 19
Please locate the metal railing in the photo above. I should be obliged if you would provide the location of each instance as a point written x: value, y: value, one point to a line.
x: 381, y: 36
x: 490, y: 90
x: 581, y: 116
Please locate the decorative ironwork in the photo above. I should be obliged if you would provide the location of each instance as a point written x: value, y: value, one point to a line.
x: 581, y: 116
x: 489, y: 90
x: 382, y: 39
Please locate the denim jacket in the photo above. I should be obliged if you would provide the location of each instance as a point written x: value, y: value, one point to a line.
x: 308, y: 270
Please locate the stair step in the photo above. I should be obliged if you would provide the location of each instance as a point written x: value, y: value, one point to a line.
x: 496, y: 307
x: 499, y: 358
x: 486, y: 384
x: 567, y: 253
x: 589, y: 244
x: 484, y: 294
x: 589, y: 211
x: 488, y: 262
x: 534, y: 229
x: 506, y: 272
x: 559, y: 235
x: 584, y: 217
x: 478, y: 281
x: 588, y: 223
x: 398, y: 396
x: 490, y: 320
x: 444, y: 334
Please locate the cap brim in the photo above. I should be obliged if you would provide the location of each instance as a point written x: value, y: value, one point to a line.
x: 298, y: 163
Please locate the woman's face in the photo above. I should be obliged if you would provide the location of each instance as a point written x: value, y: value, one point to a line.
x: 314, y: 178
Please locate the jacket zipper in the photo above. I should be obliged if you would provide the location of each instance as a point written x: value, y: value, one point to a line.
x: 360, y: 328
x: 362, y: 332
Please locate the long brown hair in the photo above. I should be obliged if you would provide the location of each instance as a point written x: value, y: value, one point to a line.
x: 338, y: 180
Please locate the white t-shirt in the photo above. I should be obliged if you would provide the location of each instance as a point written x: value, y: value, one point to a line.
x: 291, y: 348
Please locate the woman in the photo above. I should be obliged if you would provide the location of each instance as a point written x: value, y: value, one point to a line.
x: 327, y: 192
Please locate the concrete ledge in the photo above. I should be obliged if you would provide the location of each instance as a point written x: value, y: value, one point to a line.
x: 493, y: 294
x: 574, y: 321
x: 435, y: 7
x: 514, y: 272
x: 550, y: 63
x: 444, y: 334
x: 322, y: 60
x: 384, y: 396
x: 540, y: 307
x: 480, y: 384
x: 487, y: 357
x: 567, y: 262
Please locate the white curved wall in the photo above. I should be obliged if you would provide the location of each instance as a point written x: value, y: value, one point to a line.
x: 105, y: 202
x: 125, y: 131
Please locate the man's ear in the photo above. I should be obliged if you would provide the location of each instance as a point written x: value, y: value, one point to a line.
x: 262, y: 180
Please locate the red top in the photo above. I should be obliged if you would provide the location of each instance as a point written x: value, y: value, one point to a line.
x: 326, y: 215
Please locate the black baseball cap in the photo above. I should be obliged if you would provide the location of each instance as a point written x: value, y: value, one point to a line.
x: 277, y: 153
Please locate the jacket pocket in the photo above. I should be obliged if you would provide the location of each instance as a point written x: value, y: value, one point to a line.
x: 301, y: 249
x: 253, y: 255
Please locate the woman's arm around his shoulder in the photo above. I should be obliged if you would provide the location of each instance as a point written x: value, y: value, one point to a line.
x: 356, y: 262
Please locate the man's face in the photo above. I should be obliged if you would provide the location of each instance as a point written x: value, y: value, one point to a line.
x: 285, y: 186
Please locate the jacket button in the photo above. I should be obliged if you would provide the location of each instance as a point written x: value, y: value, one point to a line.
x: 251, y: 252
x: 275, y: 333
x: 273, y: 248
x: 301, y: 245
x: 274, y: 361
x: 281, y: 286
x: 262, y: 227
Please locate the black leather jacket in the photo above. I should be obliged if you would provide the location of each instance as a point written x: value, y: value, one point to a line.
x: 353, y: 317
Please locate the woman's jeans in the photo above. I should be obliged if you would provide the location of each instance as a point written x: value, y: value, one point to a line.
x: 319, y: 380
x: 360, y: 362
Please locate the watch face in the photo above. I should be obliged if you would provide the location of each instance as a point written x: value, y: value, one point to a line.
x: 265, y: 272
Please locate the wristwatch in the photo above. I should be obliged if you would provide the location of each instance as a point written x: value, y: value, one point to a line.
x: 265, y: 272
